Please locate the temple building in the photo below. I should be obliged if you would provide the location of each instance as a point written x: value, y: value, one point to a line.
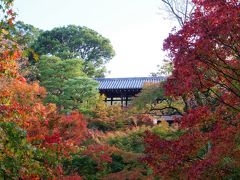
x: 122, y: 90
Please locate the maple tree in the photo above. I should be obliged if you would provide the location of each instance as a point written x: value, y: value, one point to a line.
x: 179, y: 10
x: 127, y: 147
x: 152, y: 100
x: 54, y: 135
x: 206, y: 66
x: 108, y: 118
x: 34, y: 137
x: 37, y: 142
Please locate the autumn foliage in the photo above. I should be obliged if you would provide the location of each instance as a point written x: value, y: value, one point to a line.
x: 37, y: 142
x: 21, y: 103
x: 205, y: 54
x: 41, y: 133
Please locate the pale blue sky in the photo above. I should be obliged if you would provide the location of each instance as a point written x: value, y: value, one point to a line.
x: 134, y: 27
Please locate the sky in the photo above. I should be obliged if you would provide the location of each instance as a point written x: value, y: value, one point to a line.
x: 136, y: 28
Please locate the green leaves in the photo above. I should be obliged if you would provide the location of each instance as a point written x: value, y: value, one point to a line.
x: 77, y: 42
x: 79, y: 93
x: 25, y: 34
x: 67, y: 85
x: 17, y: 156
x: 54, y: 72
x: 149, y: 94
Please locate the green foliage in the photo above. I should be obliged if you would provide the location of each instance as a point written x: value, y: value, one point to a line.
x: 67, y: 85
x: 127, y: 147
x: 7, y: 15
x: 149, y: 94
x: 152, y: 100
x: 77, y: 42
x: 92, y: 163
x: 100, y: 125
x: 117, y: 164
x: 108, y: 118
x: 79, y: 93
x: 54, y: 72
x: 87, y: 167
x: 132, y: 142
x: 165, y: 69
x: 106, y: 126
x: 17, y: 156
x: 164, y: 131
x: 83, y: 165
x: 53, y: 67
x: 25, y: 34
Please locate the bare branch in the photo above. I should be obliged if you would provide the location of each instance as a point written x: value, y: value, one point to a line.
x: 180, y: 10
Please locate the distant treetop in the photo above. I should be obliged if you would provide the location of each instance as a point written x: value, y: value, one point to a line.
x: 77, y: 42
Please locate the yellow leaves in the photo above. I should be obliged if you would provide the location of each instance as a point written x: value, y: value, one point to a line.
x: 164, y: 126
x: 5, y: 32
x: 30, y: 52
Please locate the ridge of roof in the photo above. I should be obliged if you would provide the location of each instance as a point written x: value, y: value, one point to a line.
x: 126, y: 83
x: 131, y: 78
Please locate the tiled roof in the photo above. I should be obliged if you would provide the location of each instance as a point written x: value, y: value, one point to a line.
x: 126, y: 83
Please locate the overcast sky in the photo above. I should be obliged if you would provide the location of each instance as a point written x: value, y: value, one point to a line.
x: 134, y: 27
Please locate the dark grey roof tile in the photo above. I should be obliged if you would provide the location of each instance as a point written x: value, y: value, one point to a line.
x: 126, y: 83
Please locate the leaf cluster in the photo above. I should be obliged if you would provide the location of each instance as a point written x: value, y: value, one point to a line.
x: 77, y: 42
x: 67, y: 85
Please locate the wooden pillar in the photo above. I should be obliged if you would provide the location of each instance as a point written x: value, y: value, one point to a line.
x: 111, y: 100
x: 121, y: 100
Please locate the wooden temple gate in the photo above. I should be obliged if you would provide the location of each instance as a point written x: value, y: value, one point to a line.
x: 122, y: 90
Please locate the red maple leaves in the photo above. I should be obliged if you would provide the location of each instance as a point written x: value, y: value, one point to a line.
x: 205, y: 54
